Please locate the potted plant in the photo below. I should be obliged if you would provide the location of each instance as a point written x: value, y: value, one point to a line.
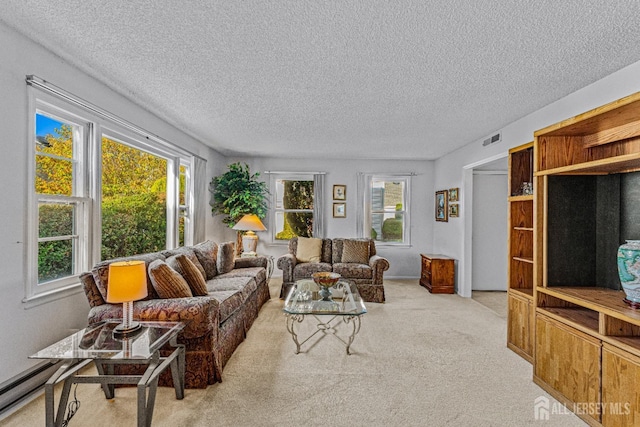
x: 237, y: 193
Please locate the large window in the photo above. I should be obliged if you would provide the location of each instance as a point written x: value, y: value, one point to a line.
x: 100, y: 191
x: 386, y: 208
x: 134, y: 196
x: 61, y: 195
x: 296, y: 205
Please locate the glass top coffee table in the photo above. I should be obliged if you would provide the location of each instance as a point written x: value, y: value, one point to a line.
x: 97, y: 344
x: 345, y: 305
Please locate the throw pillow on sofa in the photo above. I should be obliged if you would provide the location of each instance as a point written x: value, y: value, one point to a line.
x: 189, y: 253
x: 309, y: 249
x: 226, y: 257
x: 183, y: 266
x: 355, y: 251
x: 207, y: 253
x: 167, y: 282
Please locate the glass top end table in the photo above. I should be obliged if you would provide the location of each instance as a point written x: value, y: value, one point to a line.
x: 97, y: 344
x: 304, y: 299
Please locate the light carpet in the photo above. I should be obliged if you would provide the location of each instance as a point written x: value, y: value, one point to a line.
x: 419, y: 360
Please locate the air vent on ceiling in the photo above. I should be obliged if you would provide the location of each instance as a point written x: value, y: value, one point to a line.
x: 492, y: 139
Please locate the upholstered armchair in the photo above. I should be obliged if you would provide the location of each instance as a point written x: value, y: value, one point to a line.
x: 353, y: 259
x: 294, y: 268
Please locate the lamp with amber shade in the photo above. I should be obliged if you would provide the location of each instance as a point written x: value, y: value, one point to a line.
x: 127, y: 283
x: 250, y: 223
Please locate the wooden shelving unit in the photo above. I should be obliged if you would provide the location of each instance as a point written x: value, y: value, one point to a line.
x: 587, y: 340
x: 520, y: 250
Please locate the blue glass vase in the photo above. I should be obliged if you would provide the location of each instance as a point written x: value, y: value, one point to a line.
x: 629, y: 269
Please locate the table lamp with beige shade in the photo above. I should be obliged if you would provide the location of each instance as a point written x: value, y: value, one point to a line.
x: 127, y: 283
x: 250, y: 223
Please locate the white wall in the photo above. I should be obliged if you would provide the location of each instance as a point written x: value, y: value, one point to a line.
x: 451, y: 238
x: 489, y: 231
x: 25, y: 331
x: 404, y: 262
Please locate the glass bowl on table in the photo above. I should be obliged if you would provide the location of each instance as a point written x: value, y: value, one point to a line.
x: 325, y: 281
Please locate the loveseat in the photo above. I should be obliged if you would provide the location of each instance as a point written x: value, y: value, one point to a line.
x: 353, y: 259
x: 223, y: 299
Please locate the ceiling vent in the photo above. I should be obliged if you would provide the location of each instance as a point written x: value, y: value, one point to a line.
x: 492, y: 139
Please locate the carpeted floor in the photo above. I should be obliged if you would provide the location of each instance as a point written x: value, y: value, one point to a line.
x: 493, y: 300
x: 419, y: 360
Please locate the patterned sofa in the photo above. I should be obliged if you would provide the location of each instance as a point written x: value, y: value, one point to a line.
x: 366, y: 272
x: 217, y: 320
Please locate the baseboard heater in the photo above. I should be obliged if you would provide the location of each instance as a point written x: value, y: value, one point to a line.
x: 20, y: 386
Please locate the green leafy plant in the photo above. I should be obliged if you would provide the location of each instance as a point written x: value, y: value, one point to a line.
x: 236, y: 193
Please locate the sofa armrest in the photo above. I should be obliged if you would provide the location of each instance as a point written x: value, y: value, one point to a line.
x: 379, y: 265
x: 252, y: 261
x: 201, y: 314
x: 286, y: 263
x: 91, y: 290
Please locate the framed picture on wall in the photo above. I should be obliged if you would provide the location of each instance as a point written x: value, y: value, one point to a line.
x: 442, y: 206
x: 339, y: 210
x: 453, y: 210
x: 453, y: 194
x: 339, y: 192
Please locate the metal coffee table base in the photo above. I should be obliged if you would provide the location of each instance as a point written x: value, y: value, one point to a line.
x: 326, y: 328
x: 146, y: 401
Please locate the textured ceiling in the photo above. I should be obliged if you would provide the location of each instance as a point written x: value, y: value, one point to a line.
x: 338, y: 78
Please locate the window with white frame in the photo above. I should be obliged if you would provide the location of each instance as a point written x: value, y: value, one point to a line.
x: 296, y: 205
x: 184, y: 203
x: 62, y: 197
x: 100, y: 191
x: 386, y: 208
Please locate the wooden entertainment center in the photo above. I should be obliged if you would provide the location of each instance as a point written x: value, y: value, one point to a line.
x: 520, y: 250
x: 566, y: 312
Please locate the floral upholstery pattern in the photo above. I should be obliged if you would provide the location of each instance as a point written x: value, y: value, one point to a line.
x: 353, y: 270
x: 207, y: 254
x: 91, y: 290
x: 216, y: 323
x: 230, y: 302
x: 306, y: 269
x: 239, y: 283
x: 226, y: 257
x: 259, y: 273
x: 368, y: 277
x: 370, y: 292
x: 248, y: 262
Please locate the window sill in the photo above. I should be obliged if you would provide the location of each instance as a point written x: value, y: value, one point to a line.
x: 50, y: 296
x: 392, y: 245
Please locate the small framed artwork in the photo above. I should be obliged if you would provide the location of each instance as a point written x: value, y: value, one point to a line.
x: 453, y: 210
x: 453, y: 194
x: 442, y: 206
x: 339, y: 192
x: 339, y: 210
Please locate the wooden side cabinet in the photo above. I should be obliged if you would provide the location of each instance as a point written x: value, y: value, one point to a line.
x: 520, y: 328
x: 567, y: 365
x: 438, y: 273
x: 620, y: 394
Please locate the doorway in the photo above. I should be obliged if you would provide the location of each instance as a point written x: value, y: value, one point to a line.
x: 489, y: 233
x: 486, y: 235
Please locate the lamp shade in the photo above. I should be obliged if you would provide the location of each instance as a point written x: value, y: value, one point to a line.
x: 127, y: 281
x: 250, y: 222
